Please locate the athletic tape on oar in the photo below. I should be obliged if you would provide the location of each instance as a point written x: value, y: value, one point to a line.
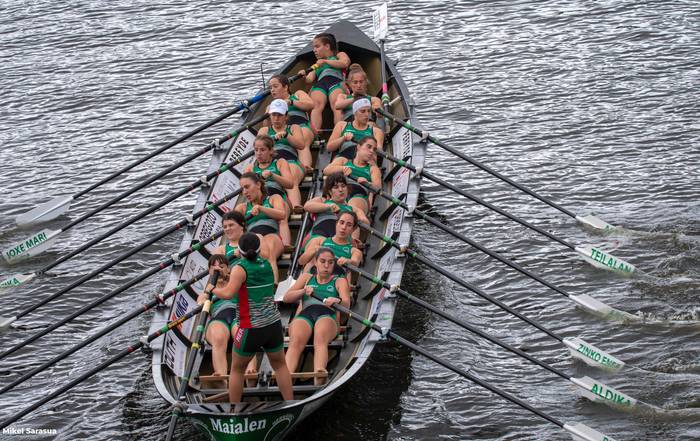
x: 584, y: 354
x: 589, y: 220
x: 577, y: 430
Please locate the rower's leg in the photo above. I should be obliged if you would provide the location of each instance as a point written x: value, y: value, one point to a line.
x: 275, y: 247
x: 285, y: 234
x: 332, y: 98
x: 235, y: 380
x: 217, y: 336
x: 294, y: 193
x: 324, y: 332
x: 320, y: 99
x: 305, y: 153
x: 299, y: 334
x: 359, y: 204
x: 282, y: 376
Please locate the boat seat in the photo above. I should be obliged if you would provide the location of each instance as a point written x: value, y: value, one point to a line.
x: 220, y: 395
x: 295, y: 376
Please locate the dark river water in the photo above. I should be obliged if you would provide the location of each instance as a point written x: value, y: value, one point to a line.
x: 595, y: 104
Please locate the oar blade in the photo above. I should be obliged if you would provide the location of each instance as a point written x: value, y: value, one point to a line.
x: 32, y: 246
x: 581, y: 432
x: 5, y: 322
x: 603, y: 260
x: 595, y: 223
x: 591, y: 355
x: 380, y: 21
x: 16, y: 280
x: 45, y: 212
x: 599, y: 392
x: 283, y: 288
x: 603, y: 310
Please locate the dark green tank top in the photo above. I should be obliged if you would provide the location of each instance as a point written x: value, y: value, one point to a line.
x: 357, y: 135
x: 338, y: 249
x: 261, y: 218
x: 323, y: 290
x: 294, y: 110
x: 256, y: 298
x: 282, y: 146
x: 326, y: 70
x: 270, y: 182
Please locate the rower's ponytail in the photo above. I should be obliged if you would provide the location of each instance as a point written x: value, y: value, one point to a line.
x: 249, y: 246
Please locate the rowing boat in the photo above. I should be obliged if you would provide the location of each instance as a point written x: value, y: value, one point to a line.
x: 262, y: 415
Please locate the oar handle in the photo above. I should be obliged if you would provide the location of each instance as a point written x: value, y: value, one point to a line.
x: 426, y: 135
x: 389, y: 333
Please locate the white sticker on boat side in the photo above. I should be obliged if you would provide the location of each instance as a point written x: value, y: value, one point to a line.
x: 194, y: 264
x: 227, y: 182
x: 174, y: 354
x: 209, y: 225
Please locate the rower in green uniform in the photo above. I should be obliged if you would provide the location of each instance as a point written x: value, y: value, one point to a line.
x: 360, y: 169
x: 340, y: 243
x: 314, y: 316
x: 288, y: 141
x: 299, y: 105
x: 325, y: 208
x: 346, y: 135
x: 263, y: 213
x: 327, y: 78
x: 358, y: 82
x: 252, y: 281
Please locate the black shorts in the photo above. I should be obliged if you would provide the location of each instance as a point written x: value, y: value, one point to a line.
x: 337, y: 270
x: 348, y: 153
x: 325, y: 229
x: 328, y: 84
x: 248, y: 341
x: 263, y: 230
x: 357, y: 191
x: 225, y: 316
x: 297, y: 119
x: 312, y: 313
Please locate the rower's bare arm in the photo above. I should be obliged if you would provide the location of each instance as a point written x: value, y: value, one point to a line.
x: 296, y: 291
x: 376, y: 103
x: 343, y: 61
x: 356, y: 257
x: 343, y: 101
x: 361, y: 216
x: 220, y: 250
x: 310, y: 77
x: 285, y: 176
x: 264, y: 129
x: 336, y: 139
x: 248, y: 168
x: 315, y: 205
x: 343, y: 287
x: 296, y: 138
x: 376, y: 177
x: 311, y: 248
x: 303, y: 101
x: 337, y: 166
x: 379, y: 136
x: 235, y: 280
x: 277, y: 212
x: 240, y: 208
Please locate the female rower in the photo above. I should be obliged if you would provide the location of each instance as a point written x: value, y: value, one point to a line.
x: 340, y: 243
x: 346, y: 135
x: 278, y: 178
x: 357, y: 82
x: 327, y: 207
x: 327, y: 78
x: 265, y: 213
x: 260, y: 326
x: 316, y: 318
x: 299, y: 104
x: 288, y: 141
x: 362, y: 169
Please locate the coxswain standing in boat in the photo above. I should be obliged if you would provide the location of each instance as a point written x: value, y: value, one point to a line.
x: 299, y: 104
x: 357, y: 82
x: 340, y: 243
x: 362, y: 169
x: 278, y: 178
x: 288, y: 142
x: 346, y: 135
x: 252, y: 281
x: 264, y: 213
x: 316, y: 317
x: 327, y: 78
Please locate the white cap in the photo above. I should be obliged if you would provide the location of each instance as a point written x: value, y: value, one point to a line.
x: 359, y: 104
x: 279, y: 106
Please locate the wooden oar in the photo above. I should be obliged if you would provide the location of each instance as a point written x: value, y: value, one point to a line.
x: 578, y: 348
x: 43, y: 240
x: 196, y: 350
x: 183, y: 223
x: 593, y: 390
x: 126, y: 351
x: 59, y: 205
x: 158, y: 300
x: 578, y: 431
x: 131, y: 283
x: 589, y: 253
x: 589, y: 220
x: 585, y: 301
x: 18, y: 279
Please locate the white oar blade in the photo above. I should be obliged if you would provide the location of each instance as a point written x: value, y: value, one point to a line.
x: 595, y: 222
x: 591, y: 355
x: 380, y: 22
x: 603, y: 310
x: 6, y: 321
x: 45, y: 212
x: 581, y: 432
x: 602, y: 260
x: 596, y: 391
x: 16, y: 280
x: 31, y: 246
x: 283, y: 287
